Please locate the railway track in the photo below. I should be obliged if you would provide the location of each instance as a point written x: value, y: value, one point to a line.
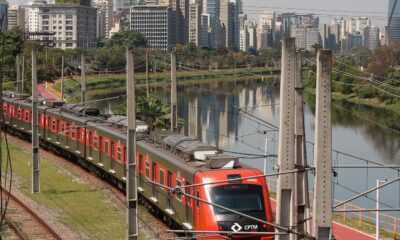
x: 24, y: 224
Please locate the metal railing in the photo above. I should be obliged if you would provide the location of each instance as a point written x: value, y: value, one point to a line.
x: 389, y: 225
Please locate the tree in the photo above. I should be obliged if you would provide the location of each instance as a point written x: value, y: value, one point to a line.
x: 132, y: 39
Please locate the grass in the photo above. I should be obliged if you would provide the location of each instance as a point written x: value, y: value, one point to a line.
x: 78, y: 205
x: 366, y: 227
x: 103, y: 85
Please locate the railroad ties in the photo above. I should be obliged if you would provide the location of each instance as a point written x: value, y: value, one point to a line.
x: 24, y: 224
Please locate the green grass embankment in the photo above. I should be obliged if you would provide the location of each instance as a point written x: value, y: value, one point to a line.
x: 77, y: 204
x: 115, y: 84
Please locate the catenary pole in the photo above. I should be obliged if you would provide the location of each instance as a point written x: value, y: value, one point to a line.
x: 18, y: 65
x: 147, y: 75
x: 22, y: 74
x: 174, y: 99
x: 83, y: 81
x: 322, y: 211
x: 285, y: 193
x: 62, y: 78
x: 301, y: 182
x: 35, y: 133
x: 131, y: 185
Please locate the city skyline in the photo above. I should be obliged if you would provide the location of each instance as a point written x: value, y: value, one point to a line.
x: 343, y: 7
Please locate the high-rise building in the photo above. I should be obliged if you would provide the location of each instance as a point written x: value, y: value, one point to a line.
x: 3, y: 15
x: 252, y: 29
x: 74, y: 26
x: 306, y: 37
x: 244, y: 39
x: 105, y: 11
x: 371, y: 37
x: 359, y: 23
x: 32, y: 10
x: 195, y: 11
x: 394, y: 22
x: 205, y: 31
x: 180, y: 19
x: 16, y: 17
x: 155, y: 22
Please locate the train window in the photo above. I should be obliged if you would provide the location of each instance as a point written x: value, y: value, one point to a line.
x: 73, y: 132
x: 62, y: 128
x: 78, y: 134
x: 27, y: 116
x: 147, y: 169
x: 19, y: 113
x: 178, y: 184
x: 89, y: 138
x: 119, y: 154
x: 162, y: 177
x: 106, y: 147
x: 95, y: 142
x: 198, y: 196
x: 54, y: 125
x: 5, y: 109
x: 112, y: 149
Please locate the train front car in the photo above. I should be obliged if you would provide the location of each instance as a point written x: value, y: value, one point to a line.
x: 247, y: 196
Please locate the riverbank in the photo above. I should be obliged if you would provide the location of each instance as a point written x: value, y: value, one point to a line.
x: 115, y: 84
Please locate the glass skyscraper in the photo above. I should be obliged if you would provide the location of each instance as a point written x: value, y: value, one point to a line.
x: 394, y: 22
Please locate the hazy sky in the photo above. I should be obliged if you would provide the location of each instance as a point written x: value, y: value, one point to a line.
x: 377, y: 9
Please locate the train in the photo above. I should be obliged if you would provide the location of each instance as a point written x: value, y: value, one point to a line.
x: 98, y: 142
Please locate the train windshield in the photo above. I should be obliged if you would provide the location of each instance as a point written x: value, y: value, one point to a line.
x: 239, y: 197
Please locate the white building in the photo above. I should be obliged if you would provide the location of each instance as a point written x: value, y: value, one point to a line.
x: 154, y: 21
x: 74, y: 26
x: 32, y: 15
x: 195, y: 11
x: 306, y: 37
x: 105, y: 10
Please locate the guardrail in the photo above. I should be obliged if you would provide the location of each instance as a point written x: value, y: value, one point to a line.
x: 388, y: 224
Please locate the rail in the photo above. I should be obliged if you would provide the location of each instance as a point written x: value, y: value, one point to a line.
x: 389, y: 225
x: 32, y: 214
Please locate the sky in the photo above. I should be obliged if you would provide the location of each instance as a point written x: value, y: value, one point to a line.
x: 375, y: 9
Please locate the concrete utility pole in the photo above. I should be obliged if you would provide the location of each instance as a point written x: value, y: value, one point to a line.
x: 174, y: 98
x: 301, y: 182
x: 285, y: 195
x: 83, y: 81
x: 322, y: 212
x: 18, y: 65
x: 131, y: 185
x: 35, y: 135
x: 23, y: 74
x: 147, y: 75
x: 378, y: 213
x: 62, y: 78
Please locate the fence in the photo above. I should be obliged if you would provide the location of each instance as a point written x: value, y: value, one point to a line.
x: 363, y: 220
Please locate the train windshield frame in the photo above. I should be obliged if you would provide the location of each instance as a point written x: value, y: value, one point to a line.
x: 244, y: 198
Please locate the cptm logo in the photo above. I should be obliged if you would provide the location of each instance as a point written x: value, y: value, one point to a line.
x: 236, y: 227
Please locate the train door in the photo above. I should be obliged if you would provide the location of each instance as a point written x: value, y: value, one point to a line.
x: 100, y: 149
x: 90, y: 144
x: 112, y: 155
x: 169, y: 184
x: 154, y: 178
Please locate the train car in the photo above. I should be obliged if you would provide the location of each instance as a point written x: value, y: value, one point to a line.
x: 178, y: 177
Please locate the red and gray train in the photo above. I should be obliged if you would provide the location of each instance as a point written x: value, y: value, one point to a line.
x: 98, y: 141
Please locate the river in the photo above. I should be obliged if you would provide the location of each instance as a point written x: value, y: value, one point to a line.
x: 210, y: 115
